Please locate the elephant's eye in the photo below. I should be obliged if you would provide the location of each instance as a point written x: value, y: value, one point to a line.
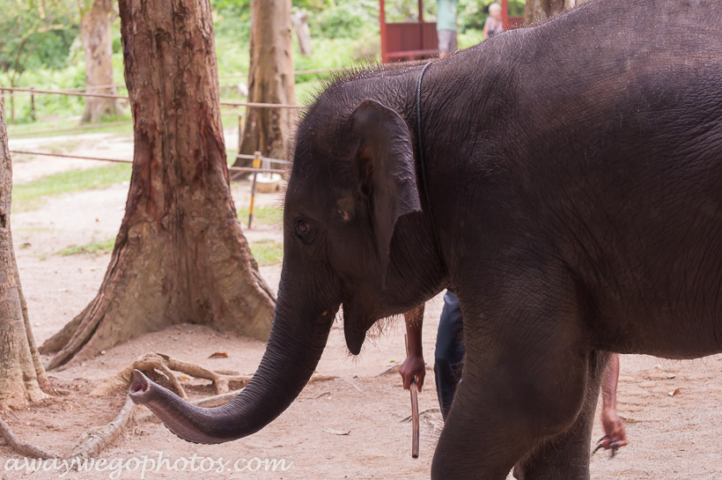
x: 302, y: 228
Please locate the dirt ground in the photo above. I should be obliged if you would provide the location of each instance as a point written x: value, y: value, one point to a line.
x: 352, y: 427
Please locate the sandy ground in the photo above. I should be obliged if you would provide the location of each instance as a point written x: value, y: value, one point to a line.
x: 351, y: 427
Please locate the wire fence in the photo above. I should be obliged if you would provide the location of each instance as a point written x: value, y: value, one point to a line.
x: 87, y: 91
x: 122, y: 160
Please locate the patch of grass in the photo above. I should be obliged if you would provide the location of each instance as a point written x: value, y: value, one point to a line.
x: 266, y: 215
x: 32, y: 195
x: 267, y: 252
x: 63, y: 147
x: 96, y: 248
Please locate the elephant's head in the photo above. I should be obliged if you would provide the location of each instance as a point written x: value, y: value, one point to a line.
x: 354, y: 235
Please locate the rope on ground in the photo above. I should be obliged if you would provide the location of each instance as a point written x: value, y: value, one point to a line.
x: 33, y: 90
x: 74, y: 129
x: 125, y: 97
x: 120, y: 160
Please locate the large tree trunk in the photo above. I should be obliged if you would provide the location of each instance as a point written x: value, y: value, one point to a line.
x: 22, y: 377
x: 98, y: 48
x: 270, y: 80
x: 539, y: 10
x: 180, y: 255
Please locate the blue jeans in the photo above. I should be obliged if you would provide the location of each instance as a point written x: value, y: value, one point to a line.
x: 449, y: 354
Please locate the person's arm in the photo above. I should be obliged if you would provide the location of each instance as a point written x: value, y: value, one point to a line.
x: 413, y: 366
x: 486, y: 28
x: 615, y: 435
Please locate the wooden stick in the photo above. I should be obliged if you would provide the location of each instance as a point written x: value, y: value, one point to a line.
x: 414, y: 391
x: 414, y: 419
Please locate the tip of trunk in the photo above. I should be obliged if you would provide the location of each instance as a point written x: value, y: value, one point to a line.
x: 185, y: 420
x: 139, y: 388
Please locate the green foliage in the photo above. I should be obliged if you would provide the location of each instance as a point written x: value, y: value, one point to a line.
x: 266, y: 215
x: 35, y: 34
x: 95, y: 248
x: 32, y: 195
x: 348, y: 19
x: 344, y: 33
x: 267, y: 252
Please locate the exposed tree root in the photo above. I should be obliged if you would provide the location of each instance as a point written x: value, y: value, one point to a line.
x: 24, y: 449
x: 90, y: 444
x: 164, y: 364
x: 93, y: 441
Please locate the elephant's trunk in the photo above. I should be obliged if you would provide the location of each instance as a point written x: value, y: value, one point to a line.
x: 293, y: 352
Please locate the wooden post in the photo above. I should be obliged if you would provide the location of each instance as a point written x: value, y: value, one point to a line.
x: 240, y: 132
x: 505, y: 14
x: 32, y: 104
x: 382, y: 21
x: 421, y: 24
x: 256, y: 164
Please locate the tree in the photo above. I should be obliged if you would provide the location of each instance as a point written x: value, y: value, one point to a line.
x: 180, y: 255
x: 539, y: 10
x: 96, y: 16
x: 22, y: 377
x: 270, y: 80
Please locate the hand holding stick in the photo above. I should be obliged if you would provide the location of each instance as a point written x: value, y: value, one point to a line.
x: 414, y: 413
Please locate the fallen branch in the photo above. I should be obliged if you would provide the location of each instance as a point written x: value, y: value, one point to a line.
x: 95, y: 440
x: 24, y: 449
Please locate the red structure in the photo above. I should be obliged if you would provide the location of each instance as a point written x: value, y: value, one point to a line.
x: 402, y: 41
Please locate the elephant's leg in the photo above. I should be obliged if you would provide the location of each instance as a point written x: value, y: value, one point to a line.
x: 524, y: 381
x: 566, y: 456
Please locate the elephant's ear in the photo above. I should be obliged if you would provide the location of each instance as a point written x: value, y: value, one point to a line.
x: 386, y: 162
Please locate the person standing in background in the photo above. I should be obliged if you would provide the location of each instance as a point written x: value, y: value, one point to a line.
x: 446, y: 26
x: 494, y: 24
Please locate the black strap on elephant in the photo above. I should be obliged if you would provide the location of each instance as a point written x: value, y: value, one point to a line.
x: 422, y: 166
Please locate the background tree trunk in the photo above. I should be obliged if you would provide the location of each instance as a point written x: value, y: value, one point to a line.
x: 270, y: 80
x: 22, y: 377
x: 98, y: 48
x: 180, y: 255
x: 539, y: 10
x: 300, y: 24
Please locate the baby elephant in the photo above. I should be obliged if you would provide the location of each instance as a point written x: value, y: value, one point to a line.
x: 564, y: 181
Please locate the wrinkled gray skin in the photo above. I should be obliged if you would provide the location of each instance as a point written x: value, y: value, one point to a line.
x: 575, y: 175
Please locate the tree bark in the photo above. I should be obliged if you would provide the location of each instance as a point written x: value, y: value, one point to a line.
x: 22, y: 376
x: 98, y: 48
x: 539, y: 10
x: 300, y: 24
x: 180, y: 255
x: 270, y: 80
